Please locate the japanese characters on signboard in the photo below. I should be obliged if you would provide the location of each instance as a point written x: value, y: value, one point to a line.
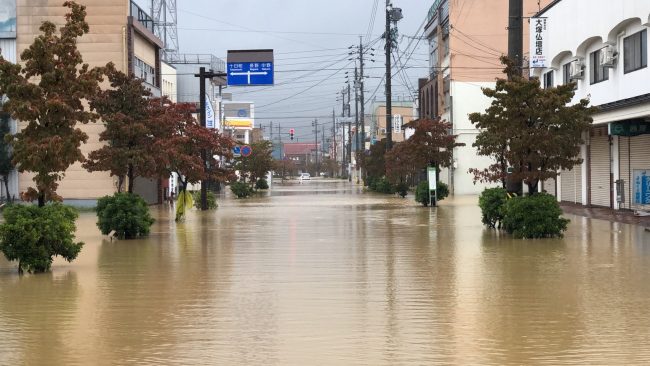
x: 538, y: 43
x: 642, y: 187
x: 209, y: 115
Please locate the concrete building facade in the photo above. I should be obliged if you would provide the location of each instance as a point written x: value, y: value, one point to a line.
x: 466, y: 40
x: 121, y: 33
x: 605, y: 51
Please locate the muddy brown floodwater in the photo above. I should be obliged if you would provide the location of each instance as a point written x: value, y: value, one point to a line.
x: 322, y: 274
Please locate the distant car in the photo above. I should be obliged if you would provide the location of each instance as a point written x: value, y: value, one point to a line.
x: 305, y: 176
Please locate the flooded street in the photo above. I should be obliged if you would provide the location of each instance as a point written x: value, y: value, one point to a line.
x: 322, y: 274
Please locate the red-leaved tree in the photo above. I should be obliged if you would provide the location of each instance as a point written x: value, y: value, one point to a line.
x: 124, y: 109
x: 47, y: 92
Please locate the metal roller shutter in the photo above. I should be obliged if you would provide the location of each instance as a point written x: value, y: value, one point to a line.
x: 572, y: 184
x: 600, y: 171
x: 549, y: 187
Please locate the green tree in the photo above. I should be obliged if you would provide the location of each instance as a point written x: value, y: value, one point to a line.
x: 129, y: 149
x: 6, y: 156
x: 534, y: 131
x: 258, y: 164
x: 374, y: 162
x: 34, y: 235
x: 47, y: 91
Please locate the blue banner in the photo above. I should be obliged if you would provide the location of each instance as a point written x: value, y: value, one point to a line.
x: 642, y: 187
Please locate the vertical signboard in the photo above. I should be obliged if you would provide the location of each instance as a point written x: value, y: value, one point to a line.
x: 210, y: 118
x: 641, y: 187
x: 539, y: 43
x: 250, y: 67
x: 7, y: 18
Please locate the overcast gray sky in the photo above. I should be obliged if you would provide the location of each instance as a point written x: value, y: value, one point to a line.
x: 307, y: 36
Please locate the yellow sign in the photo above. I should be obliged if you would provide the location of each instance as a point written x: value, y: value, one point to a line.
x: 239, y: 123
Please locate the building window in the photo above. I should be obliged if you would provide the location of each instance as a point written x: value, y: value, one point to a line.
x: 144, y: 71
x: 598, y: 71
x: 566, y: 73
x: 635, y: 51
x: 548, y: 80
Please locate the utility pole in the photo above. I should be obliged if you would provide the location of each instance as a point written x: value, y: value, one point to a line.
x: 516, y: 34
x: 322, y: 144
x: 362, y: 94
x: 203, y: 76
x: 334, y: 134
x: 389, y: 105
x: 279, y: 133
x: 356, y: 121
x: 315, y: 124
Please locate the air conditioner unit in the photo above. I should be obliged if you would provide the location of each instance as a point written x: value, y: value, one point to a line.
x: 608, y: 56
x: 576, y: 70
x: 382, y: 130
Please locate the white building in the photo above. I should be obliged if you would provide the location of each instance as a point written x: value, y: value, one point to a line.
x: 465, y: 44
x: 603, y: 46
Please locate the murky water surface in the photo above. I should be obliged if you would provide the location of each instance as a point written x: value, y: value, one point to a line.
x: 320, y: 274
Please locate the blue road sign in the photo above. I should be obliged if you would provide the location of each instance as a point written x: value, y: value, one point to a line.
x: 236, y: 151
x: 250, y: 73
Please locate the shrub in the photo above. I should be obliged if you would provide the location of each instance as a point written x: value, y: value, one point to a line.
x: 534, y: 217
x: 211, y: 198
x: 126, y: 213
x: 371, y: 182
x: 241, y: 190
x: 491, y: 203
x: 261, y: 184
x: 33, y: 235
x: 402, y: 189
x: 384, y: 186
x: 442, y: 191
x: 422, y: 193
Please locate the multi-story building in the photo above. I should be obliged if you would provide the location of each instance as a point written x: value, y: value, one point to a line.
x: 466, y: 40
x: 604, y: 49
x: 403, y: 113
x: 120, y: 32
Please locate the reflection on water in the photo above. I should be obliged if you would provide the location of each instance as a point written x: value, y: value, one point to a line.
x: 320, y: 273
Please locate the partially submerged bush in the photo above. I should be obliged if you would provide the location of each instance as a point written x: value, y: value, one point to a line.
x: 211, y: 198
x: 534, y: 217
x: 261, y: 184
x: 491, y: 202
x: 34, y: 235
x: 384, y: 186
x: 422, y: 193
x: 126, y: 213
x: 241, y: 190
x: 402, y: 189
x: 442, y: 191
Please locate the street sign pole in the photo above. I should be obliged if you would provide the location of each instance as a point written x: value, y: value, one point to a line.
x: 203, y: 75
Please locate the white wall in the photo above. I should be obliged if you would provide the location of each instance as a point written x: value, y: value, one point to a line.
x: 578, y: 27
x: 468, y: 98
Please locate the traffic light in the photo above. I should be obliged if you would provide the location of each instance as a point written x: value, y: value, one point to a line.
x: 291, y: 133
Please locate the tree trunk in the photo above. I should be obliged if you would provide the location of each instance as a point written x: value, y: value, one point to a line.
x: 41, y: 199
x: 120, y: 184
x: 6, y: 179
x: 20, y: 267
x: 131, y: 178
x: 532, y: 187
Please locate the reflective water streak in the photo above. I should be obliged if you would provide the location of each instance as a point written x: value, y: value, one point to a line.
x: 319, y: 273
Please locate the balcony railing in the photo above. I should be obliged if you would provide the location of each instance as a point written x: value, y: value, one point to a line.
x: 141, y: 16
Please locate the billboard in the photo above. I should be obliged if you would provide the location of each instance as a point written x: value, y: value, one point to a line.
x: 7, y: 18
x: 539, y: 43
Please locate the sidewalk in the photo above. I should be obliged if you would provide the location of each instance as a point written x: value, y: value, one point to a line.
x: 601, y: 213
